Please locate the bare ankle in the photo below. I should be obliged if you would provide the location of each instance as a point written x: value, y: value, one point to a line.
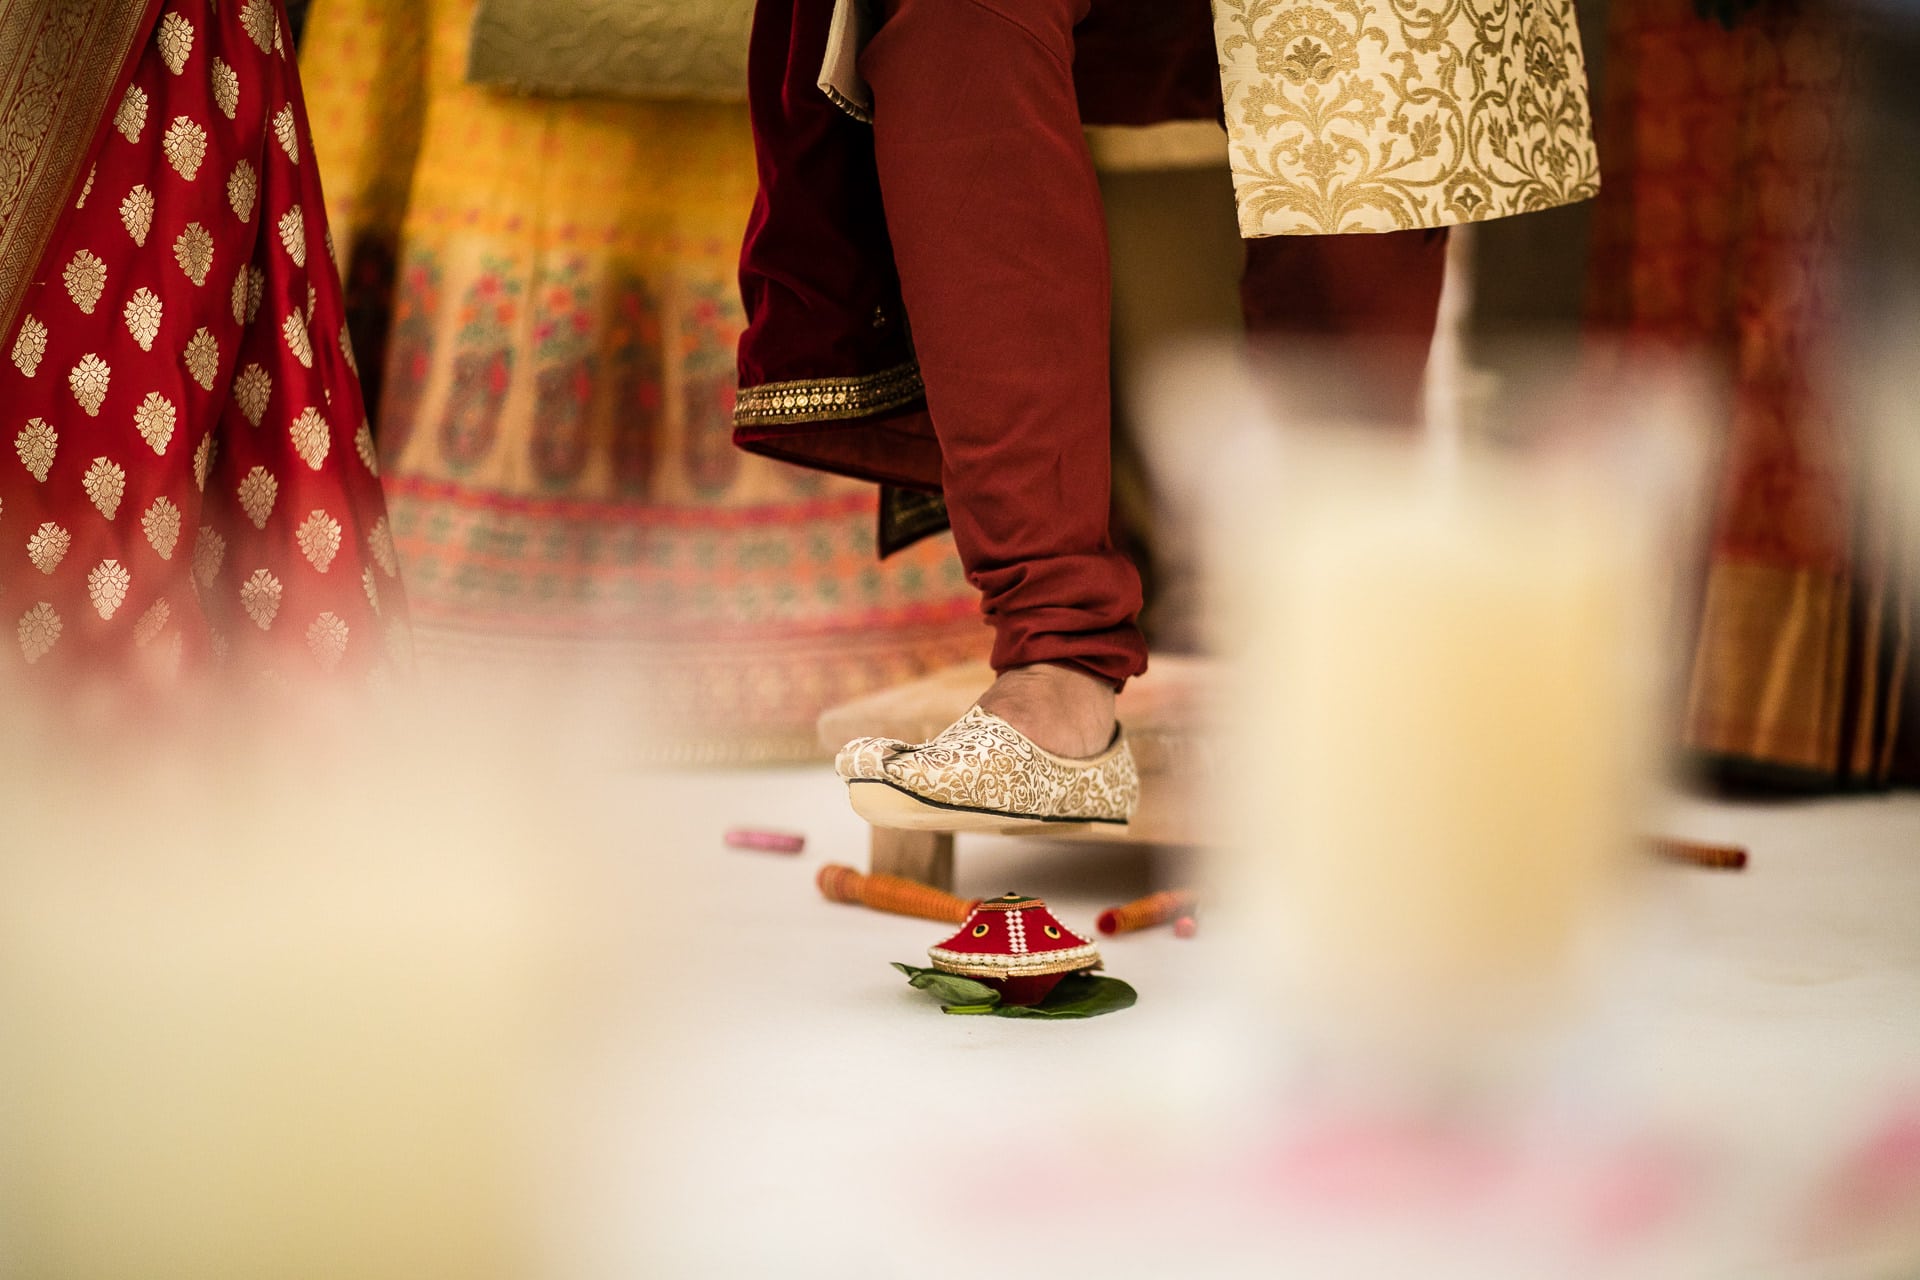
x: 1060, y: 709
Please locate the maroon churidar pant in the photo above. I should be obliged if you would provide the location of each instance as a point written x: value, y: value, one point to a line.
x: 1000, y: 241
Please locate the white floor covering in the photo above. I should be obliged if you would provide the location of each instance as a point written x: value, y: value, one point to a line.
x: 795, y: 1109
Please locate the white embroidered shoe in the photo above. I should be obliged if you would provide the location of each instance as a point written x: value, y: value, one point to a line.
x: 982, y: 774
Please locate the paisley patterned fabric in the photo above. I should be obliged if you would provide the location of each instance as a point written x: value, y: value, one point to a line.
x: 983, y: 764
x: 188, y: 480
x: 555, y: 417
x: 1384, y: 115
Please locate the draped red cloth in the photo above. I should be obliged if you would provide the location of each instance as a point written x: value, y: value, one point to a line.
x: 191, y: 482
x: 1720, y: 230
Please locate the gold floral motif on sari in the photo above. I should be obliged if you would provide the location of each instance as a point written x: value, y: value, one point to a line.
x: 1356, y: 116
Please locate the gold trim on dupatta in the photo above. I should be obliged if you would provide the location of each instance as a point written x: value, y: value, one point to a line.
x: 1798, y: 670
x: 59, y: 61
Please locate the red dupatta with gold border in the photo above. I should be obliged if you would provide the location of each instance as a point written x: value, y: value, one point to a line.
x: 1721, y: 228
x: 61, y: 62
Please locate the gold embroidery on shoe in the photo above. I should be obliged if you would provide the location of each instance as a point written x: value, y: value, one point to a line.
x: 980, y: 762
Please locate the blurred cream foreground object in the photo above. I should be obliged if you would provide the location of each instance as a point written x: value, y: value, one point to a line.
x: 292, y: 1006
x: 1441, y: 745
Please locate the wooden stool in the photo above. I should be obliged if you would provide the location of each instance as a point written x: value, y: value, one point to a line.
x: 1161, y: 711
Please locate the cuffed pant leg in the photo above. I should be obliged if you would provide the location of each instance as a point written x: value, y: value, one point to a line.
x: 1000, y: 239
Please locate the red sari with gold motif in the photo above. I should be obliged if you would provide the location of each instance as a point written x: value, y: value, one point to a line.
x: 186, y: 473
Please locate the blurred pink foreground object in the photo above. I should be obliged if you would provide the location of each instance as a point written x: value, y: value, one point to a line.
x: 765, y: 841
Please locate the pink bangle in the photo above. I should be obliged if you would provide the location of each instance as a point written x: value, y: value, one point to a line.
x: 765, y: 841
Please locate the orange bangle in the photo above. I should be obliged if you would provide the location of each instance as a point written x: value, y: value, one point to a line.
x: 1144, y: 913
x: 893, y: 894
x: 1719, y: 857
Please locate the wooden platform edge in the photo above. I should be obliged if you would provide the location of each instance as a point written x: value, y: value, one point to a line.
x: 925, y: 857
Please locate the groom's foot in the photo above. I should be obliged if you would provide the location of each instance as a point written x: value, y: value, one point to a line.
x: 1058, y: 709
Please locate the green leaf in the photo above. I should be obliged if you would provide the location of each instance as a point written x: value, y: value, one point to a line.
x: 959, y: 994
x: 1078, y: 995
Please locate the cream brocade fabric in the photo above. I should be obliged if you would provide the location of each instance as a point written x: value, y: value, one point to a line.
x: 1380, y: 115
x: 980, y: 762
x: 1350, y: 116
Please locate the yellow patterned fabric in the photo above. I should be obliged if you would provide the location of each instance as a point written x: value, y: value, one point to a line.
x: 1384, y: 115
x: 556, y: 411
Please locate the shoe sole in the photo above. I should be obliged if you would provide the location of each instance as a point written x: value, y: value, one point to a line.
x: 884, y: 804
